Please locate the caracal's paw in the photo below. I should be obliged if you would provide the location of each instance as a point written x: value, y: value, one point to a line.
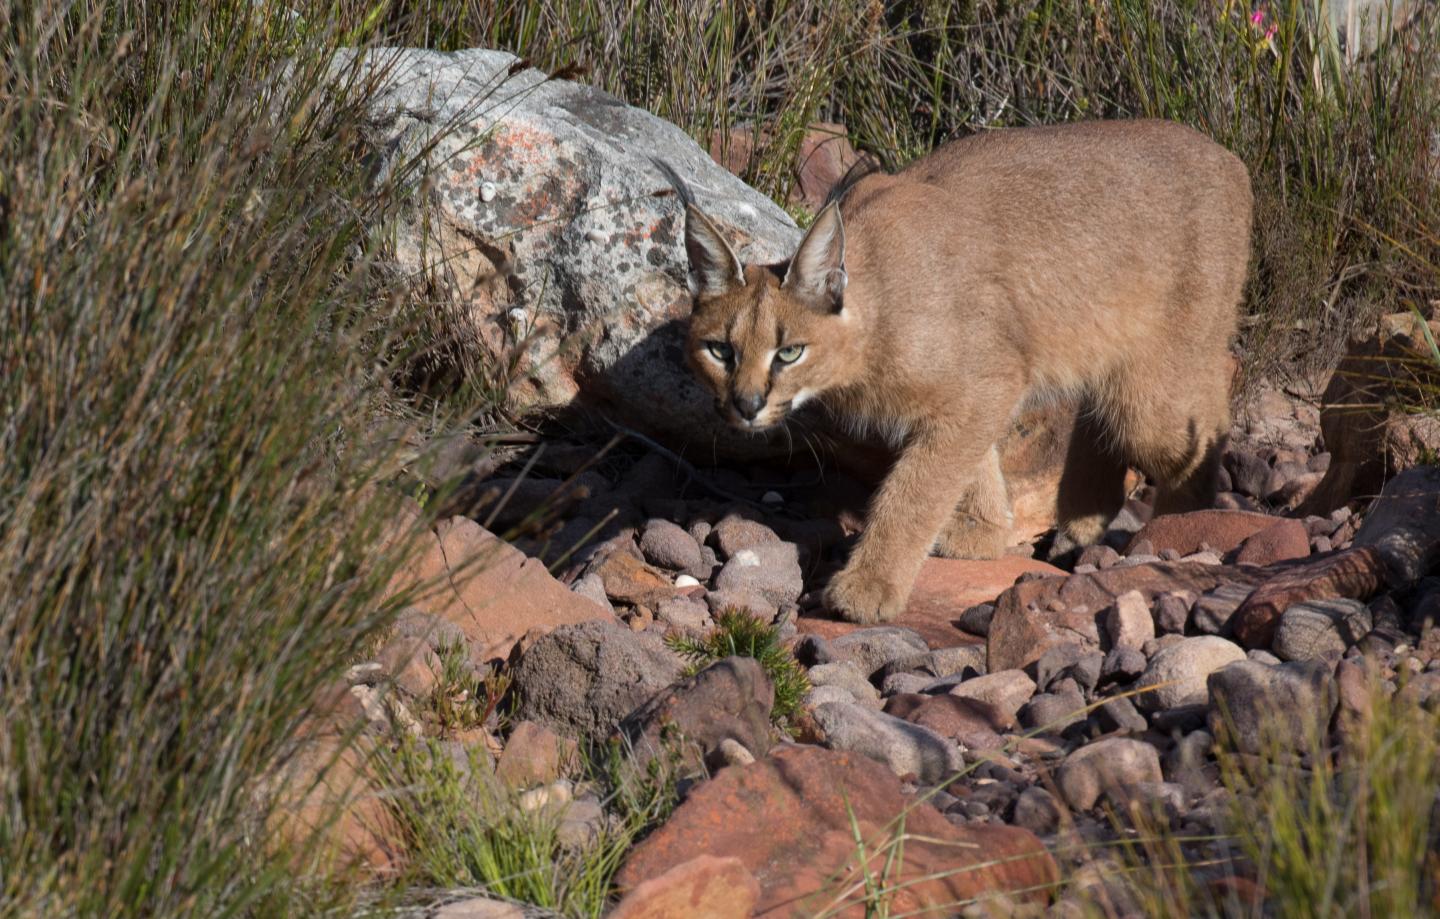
x: 972, y: 539
x: 862, y: 595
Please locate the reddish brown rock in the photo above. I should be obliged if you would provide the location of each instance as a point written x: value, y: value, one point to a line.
x: 1283, y: 540
x: 328, y: 808
x: 945, y: 588
x: 1356, y: 573
x: 465, y: 575
x: 630, y: 580
x: 534, y: 755
x: 1034, y: 616
x: 1186, y: 533
x: 706, y: 887
x: 970, y: 722
x: 823, y: 158
x: 790, y: 819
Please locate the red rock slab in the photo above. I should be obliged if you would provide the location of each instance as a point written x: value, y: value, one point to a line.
x: 945, y: 588
x: 1357, y: 573
x: 1222, y: 531
x: 1285, y: 539
x: 702, y: 888
x: 790, y: 819
x: 495, y: 593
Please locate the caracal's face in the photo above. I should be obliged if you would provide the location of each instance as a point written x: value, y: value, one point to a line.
x: 767, y: 339
x: 761, y: 352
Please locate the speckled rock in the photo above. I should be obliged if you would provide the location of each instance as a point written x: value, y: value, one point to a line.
x: 545, y: 225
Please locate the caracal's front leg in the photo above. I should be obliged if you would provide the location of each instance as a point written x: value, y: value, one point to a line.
x: 916, y: 500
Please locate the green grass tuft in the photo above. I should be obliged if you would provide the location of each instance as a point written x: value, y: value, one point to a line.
x: 739, y: 634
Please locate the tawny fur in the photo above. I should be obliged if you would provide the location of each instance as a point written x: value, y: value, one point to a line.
x: 1105, y: 259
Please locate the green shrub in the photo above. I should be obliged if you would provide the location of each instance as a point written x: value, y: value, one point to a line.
x: 737, y: 633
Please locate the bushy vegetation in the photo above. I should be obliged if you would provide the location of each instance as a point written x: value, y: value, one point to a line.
x: 193, y: 341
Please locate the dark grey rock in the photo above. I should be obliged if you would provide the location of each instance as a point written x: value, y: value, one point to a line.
x: 871, y: 649
x: 1265, y: 708
x: 1317, y: 629
x: 729, y: 700
x: 668, y: 545
x: 1037, y: 811
x: 976, y: 619
x: 581, y: 680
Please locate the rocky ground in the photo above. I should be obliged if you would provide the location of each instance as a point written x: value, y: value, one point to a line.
x: 1018, y: 714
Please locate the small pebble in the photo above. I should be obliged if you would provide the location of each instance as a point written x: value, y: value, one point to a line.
x: 487, y: 192
x: 772, y: 497
x: 686, y: 580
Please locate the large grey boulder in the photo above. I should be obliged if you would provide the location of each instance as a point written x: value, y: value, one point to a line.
x: 554, y: 238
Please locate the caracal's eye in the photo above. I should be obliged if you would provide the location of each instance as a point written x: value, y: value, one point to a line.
x: 720, y: 350
x: 789, y: 354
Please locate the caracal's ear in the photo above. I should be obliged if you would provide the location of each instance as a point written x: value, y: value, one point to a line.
x: 817, y: 271
x: 713, y: 264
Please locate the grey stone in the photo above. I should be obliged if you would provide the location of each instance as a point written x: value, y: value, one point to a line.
x: 1261, y: 656
x: 668, y: 545
x: 479, y: 908
x: 590, y: 254
x: 1212, y: 612
x: 1317, y: 629
x: 729, y: 700
x: 1122, y: 665
x: 871, y: 649
x: 976, y: 619
x: 1403, y: 525
x: 688, y: 614
x: 906, y: 748
x: 1172, y: 612
x: 734, y: 533
x: 1264, y: 708
x: 581, y: 680
x: 1119, y: 714
x: 771, y: 570
x: 819, y: 695
x: 1037, y: 811
x: 1108, y: 766
x: 849, y: 678
x: 748, y: 601
x: 1179, y: 671
x: 1129, y: 623
x: 1053, y: 712
x: 1007, y: 690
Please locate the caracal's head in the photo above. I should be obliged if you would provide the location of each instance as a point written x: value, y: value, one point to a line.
x: 765, y: 339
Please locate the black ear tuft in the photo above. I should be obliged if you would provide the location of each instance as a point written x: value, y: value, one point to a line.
x: 713, y: 264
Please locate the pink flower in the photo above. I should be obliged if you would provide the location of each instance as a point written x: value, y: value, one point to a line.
x: 1257, y: 18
